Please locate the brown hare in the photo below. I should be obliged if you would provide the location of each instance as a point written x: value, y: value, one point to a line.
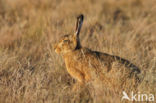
x: 86, y: 65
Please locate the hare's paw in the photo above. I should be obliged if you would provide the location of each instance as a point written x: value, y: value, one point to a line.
x: 77, y: 87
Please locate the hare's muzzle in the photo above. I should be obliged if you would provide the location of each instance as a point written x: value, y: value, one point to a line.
x: 56, y: 49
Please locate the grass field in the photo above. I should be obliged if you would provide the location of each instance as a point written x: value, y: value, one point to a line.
x: 30, y: 70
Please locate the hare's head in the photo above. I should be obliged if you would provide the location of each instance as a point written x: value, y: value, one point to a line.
x: 70, y: 43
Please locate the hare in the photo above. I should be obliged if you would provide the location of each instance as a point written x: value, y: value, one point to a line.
x: 86, y: 65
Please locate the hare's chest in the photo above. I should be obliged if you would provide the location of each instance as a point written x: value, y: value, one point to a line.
x: 75, y: 64
x: 78, y: 69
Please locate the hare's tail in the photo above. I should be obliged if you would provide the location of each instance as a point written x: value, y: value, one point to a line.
x: 135, y: 71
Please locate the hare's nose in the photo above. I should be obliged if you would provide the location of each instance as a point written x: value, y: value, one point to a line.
x: 55, y: 46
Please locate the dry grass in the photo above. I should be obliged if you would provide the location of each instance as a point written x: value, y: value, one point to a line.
x: 30, y: 70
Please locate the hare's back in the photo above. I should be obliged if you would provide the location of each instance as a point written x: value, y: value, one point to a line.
x: 111, y: 59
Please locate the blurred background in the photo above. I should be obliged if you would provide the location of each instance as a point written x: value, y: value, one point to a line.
x: 30, y: 70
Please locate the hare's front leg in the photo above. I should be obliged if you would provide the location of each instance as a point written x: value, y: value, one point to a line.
x: 79, y: 76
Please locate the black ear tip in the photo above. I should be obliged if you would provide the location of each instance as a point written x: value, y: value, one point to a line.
x: 80, y: 16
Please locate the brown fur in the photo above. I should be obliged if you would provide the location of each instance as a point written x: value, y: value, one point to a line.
x: 86, y: 65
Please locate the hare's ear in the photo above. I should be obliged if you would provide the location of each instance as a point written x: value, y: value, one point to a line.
x: 79, y: 24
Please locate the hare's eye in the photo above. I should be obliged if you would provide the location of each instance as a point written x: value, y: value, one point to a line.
x: 65, y: 41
